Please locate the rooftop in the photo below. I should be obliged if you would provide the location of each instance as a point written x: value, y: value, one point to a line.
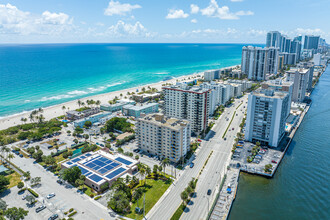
x: 161, y: 120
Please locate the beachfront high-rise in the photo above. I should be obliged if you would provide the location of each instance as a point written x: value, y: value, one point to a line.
x: 273, y: 39
x: 311, y: 42
x: 300, y: 78
x: 163, y: 136
x: 257, y: 62
x: 266, y: 117
x: 188, y: 102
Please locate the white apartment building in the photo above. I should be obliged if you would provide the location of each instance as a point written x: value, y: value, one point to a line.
x: 210, y: 75
x: 300, y: 78
x: 164, y: 136
x: 266, y: 117
x: 310, y: 66
x: 257, y: 62
x: 188, y: 102
x: 215, y: 95
x: 280, y: 86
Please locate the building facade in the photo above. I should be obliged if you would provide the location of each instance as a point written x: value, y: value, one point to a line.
x: 137, y: 110
x: 188, y: 102
x: 266, y: 117
x: 163, y: 136
x: 300, y: 78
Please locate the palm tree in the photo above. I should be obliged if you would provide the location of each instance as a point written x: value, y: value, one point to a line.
x: 41, y: 118
x: 31, y: 117
x: 10, y: 156
x: 98, y: 102
x: 142, y: 173
x: 128, y: 179
x: 164, y: 163
x: 63, y: 108
x: 79, y: 103
x: 148, y: 171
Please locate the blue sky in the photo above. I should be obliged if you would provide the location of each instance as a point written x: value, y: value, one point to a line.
x: 205, y: 21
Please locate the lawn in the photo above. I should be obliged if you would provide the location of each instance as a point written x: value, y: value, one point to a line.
x: 87, y: 190
x: 14, y: 179
x: 155, y: 189
x: 177, y: 214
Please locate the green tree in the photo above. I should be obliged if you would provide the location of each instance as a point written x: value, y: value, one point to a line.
x: 20, y: 185
x: 3, y: 205
x: 71, y: 174
x: 31, y: 199
x: 189, y: 190
x: 16, y: 213
x: 165, y: 162
x: 4, y: 182
x: 184, y: 196
x: 38, y: 155
x: 87, y: 124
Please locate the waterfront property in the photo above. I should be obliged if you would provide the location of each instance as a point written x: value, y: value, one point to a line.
x: 188, y: 102
x: 300, y: 78
x: 101, y: 118
x: 101, y: 167
x: 75, y: 115
x: 164, y: 136
x: 266, y: 116
x: 137, y: 110
x: 145, y: 97
x: 118, y: 106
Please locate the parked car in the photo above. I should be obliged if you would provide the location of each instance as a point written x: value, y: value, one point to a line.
x: 209, y: 191
x: 55, y: 216
x: 40, y: 208
x: 192, y: 165
x: 59, y: 181
x: 51, y: 196
x: 21, y: 155
x: 274, y: 161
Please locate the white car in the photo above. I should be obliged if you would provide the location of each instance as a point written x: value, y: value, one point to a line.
x: 51, y: 196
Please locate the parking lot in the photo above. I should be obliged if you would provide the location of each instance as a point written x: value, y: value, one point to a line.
x: 265, y: 156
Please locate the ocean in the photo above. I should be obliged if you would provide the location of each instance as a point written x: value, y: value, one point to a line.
x: 300, y: 188
x: 41, y: 75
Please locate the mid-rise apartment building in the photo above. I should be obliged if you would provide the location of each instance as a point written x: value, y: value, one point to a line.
x: 164, y: 136
x: 188, y: 102
x: 266, y: 117
x: 299, y: 77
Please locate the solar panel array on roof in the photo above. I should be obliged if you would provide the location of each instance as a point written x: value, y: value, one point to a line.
x: 101, y: 164
x: 95, y: 178
x: 69, y: 163
x: 122, y: 160
x: 115, y: 173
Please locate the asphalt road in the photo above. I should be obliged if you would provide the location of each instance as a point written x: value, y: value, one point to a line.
x: 210, y: 177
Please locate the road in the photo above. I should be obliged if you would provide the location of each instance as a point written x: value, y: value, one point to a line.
x: 211, y: 177
x: 168, y: 204
x: 66, y: 196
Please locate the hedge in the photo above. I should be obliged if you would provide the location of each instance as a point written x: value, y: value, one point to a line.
x: 72, y: 214
x: 59, y: 152
x: 33, y: 193
x: 97, y: 197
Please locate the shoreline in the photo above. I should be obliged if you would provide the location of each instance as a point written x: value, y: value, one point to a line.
x: 56, y: 110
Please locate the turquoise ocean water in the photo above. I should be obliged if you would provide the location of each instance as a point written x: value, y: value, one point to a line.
x: 33, y: 76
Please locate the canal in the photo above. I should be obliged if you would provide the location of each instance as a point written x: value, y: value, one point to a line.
x: 300, y: 188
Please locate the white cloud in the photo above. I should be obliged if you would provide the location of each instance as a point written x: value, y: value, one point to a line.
x: 193, y: 21
x: 116, y: 8
x: 15, y: 21
x: 194, y: 9
x: 174, y: 14
x: 100, y: 24
x: 236, y: 0
x: 213, y: 10
x: 55, y: 18
x: 126, y: 30
x: 308, y: 31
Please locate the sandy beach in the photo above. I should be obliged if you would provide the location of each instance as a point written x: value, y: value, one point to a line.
x: 56, y: 110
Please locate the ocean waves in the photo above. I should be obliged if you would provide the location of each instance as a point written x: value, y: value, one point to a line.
x: 79, y: 93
